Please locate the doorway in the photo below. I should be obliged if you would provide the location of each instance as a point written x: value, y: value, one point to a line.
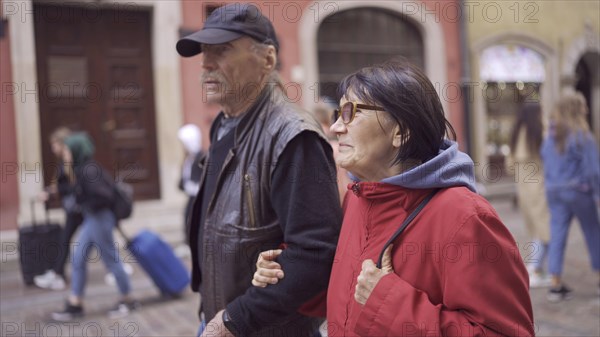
x: 94, y: 68
x: 588, y: 83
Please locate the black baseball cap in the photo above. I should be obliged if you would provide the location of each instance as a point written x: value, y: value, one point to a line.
x: 228, y: 23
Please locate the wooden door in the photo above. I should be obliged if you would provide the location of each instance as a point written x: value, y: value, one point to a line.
x: 95, y: 75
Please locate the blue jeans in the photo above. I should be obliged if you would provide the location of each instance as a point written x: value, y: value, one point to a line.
x: 538, y: 255
x: 563, y: 206
x: 97, y: 231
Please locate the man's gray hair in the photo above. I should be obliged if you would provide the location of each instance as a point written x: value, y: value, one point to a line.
x: 273, y: 79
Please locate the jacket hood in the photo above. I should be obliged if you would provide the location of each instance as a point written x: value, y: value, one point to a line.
x: 450, y: 168
x: 81, y: 147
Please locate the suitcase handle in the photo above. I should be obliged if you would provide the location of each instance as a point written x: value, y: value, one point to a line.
x: 120, y: 230
x: 33, y: 220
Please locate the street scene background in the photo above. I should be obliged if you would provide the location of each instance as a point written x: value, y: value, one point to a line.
x: 110, y: 68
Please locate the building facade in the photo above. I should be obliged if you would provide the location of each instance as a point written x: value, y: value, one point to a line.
x: 110, y: 68
x: 99, y: 67
x: 527, y: 50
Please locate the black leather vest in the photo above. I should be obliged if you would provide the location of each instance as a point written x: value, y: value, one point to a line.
x: 240, y: 221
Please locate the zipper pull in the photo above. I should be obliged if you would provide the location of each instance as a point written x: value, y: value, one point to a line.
x: 356, y: 189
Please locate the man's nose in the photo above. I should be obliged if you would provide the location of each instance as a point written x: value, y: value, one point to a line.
x: 208, y: 61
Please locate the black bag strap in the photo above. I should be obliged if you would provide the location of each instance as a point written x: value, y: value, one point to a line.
x: 405, y: 224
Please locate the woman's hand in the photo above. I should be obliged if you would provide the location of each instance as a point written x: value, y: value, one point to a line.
x: 370, y: 276
x: 267, y: 270
x: 43, y: 196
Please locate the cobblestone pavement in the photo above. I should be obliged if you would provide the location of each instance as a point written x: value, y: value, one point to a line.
x: 25, y: 311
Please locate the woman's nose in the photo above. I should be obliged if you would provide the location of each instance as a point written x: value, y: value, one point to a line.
x: 338, y: 126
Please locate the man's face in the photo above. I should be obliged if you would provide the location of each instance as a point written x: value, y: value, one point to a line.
x: 232, y: 73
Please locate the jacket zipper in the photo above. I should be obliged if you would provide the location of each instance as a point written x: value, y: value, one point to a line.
x: 356, y: 188
x: 250, y: 200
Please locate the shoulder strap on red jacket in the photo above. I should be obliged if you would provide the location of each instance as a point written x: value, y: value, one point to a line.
x: 405, y: 224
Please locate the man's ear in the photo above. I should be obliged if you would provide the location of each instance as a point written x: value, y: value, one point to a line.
x: 270, y: 58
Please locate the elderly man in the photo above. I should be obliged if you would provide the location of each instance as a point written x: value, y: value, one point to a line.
x: 268, y: 182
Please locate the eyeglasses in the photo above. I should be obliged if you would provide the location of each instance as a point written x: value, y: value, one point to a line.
x: 348, y: 110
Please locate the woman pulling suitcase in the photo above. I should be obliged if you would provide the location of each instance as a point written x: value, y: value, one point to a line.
x: 93, y: 189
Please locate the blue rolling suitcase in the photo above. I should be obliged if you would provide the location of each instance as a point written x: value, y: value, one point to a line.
x: 158, y: 260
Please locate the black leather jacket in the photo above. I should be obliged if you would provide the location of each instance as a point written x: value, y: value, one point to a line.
x: 240, y: 221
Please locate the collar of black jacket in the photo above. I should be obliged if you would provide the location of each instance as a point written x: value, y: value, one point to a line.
x: 267, y: 99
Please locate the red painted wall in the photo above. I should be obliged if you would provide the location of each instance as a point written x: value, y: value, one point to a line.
x: 9, y: 190
x: 447, y: 16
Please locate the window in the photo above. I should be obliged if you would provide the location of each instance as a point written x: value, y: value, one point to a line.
x: 352, y: 39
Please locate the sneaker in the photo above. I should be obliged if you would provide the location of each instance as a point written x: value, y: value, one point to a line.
x: 539, y: 280
x: 122, y: 309
x: 531, y: 268
x: 109, y: 278
x: 70, y: 313
x: 50, y: 280
x: 559, y: 294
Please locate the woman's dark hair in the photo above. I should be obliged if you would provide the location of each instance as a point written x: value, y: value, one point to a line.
x: 408, y: 96
x: 529, y: 117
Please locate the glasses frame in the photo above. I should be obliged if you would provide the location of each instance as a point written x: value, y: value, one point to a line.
x: 337, y: 113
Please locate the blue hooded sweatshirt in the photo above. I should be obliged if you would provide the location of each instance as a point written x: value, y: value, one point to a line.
x: 449, y: 168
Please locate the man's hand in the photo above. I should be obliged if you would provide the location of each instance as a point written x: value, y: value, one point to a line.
x: 267, y: 270
x: 370, y: 276
x: 216, y: 328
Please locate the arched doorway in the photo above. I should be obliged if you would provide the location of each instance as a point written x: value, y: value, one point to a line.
x: 352, y: 39
x: 512, y: 74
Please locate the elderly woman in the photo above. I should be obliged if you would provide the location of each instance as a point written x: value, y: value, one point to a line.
x: 455, y: 269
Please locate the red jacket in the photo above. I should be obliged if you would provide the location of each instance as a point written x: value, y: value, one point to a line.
x: 457, y: 268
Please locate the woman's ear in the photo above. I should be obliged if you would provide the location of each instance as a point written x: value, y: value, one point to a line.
x: 399, y: 138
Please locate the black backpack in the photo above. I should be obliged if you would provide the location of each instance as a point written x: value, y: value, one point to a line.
x: 123, y: 200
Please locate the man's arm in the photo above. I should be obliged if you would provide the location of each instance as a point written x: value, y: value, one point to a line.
x: 305, y: 198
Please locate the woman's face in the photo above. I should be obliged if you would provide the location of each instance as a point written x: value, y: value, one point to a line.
x: 368, y: 144
x: 57, y: 147
x: 66, y: 155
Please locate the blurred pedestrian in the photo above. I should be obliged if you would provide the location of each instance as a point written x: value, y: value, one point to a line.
x: 55, y: 278
x: 525, y: 143
x: 93, y: 189
x: 191, y: 138
x: 572, y: 177
x: 269, y: 181
x: 434, y: 276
